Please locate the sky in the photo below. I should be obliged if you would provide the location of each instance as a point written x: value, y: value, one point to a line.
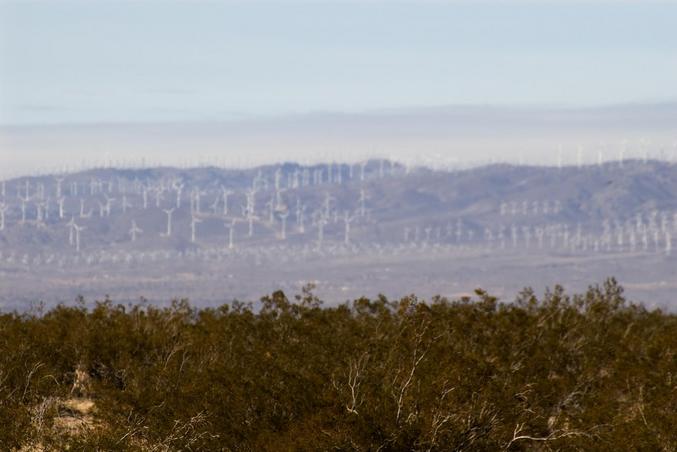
x: 98, y: 61
x: 251, y: 82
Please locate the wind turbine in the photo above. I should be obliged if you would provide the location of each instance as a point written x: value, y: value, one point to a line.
x: 668, y: 243
x: 231, y: 233
x: 300, y: 212
x: 215, y: 205
x: 125, y: 203
x: 328, y: 198
x: 3, y: 209
x: 320, y: 230
x: 271, y: 209
x: 193, y: 227
x: 144, y: 195
x: 59, y: 181
x: 621, y: 153
x: 134, y: 231
x: 169, y: 221
x: 363, y: 198
x: 24, y: 200
x: 82, y: 209
x: 559, y: 157
x: 347, y: 219
x: 158, y: 197
x: 71, y: 230
x: 225, y: 193
x: 40, y: 211
x: 60, y: 201
x: 283, y: 218
x: 179, y: 189
x: 78, y: 230
x: 277, y: 178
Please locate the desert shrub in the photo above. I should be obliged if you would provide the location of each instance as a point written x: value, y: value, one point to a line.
x: 588, y: 371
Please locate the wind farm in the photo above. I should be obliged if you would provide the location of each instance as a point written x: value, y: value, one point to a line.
x: 219, y: 234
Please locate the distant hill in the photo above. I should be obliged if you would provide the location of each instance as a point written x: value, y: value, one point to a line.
x: 351, y: 217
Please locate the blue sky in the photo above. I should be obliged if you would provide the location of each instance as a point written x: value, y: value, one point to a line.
x: 99, y: 61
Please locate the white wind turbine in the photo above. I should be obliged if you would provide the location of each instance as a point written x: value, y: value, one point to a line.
x: 328, y: 198
x: 102, y: 209
x: 559, y: 157
x: 347, y: 219
x: 339, y: 174
x: 24, y: 200
x: 321, y: 222
x: 231, y: 233
x: 668, y: 243
x: 125, y: 204
x: 215, y: 205
x: 277, y: 178
x: 283, y: 219
x: 84, y: 214
x: 179, y: 189
x: 59, y: 181
x: 41, y: 208
x: 300, y: 214
x: 225, y: 193
x: 78, y: 230
x: 134, y: 231
x: 362, y: 201
x: 158, y: 197
x: 144, y: 195
x: 169, y: 213
x: 60, y: 202
x: 193, y: 228
x: 271, y: 209
x: 3, y: 209
x: 71, y: 230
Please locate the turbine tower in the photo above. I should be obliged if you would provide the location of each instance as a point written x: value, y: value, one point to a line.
x: 3, y: 209
x: 179, y: 190
x: 59, y: 181
x: 231, y: 233
x: 320, y: 230
x: 71, y: 235
x: 134, y: 231
x: 347, y: 219
x: 125, y: 204
x: 193, y: 228
x: 24, y: 200
x: 363, y: 198
x: 169, y: 221
x: 78, y: 230
x: 61, y: 209
x: 283, y: 218
x: 225, y: 194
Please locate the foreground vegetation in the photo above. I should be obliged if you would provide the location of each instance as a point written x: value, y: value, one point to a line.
x: 588, y: 371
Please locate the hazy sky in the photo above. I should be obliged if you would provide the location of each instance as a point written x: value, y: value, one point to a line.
x: 143, y: 61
